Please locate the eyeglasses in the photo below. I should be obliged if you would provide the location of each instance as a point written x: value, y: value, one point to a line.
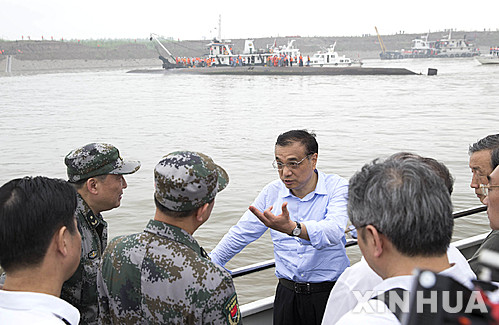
x: 486, y: 188
x: 292, y: 164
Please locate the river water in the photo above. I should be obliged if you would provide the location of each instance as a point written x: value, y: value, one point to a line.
x: 236, y: 119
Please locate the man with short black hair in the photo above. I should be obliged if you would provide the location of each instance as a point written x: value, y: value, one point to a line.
x: 481, y: 165
x: 306, y: 212
x: 39, y: 249
x: 162, y: 275
x: 403, y: 214
x: 96, y: 170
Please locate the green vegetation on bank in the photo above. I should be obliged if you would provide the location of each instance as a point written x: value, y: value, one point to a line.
x: 104, y: 43
x: 113, y: 43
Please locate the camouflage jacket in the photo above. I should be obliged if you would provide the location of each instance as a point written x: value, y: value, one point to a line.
x: 162, y: 276
x: 81, y: 289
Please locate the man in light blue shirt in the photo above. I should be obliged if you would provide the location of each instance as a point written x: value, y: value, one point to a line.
x: 306, y: 212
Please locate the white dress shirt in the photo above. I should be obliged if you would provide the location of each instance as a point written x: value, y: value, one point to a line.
x: 27, y: 308
x: 361, y: 278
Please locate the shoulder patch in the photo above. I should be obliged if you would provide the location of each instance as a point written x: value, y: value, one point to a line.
x: 231, y: 310
x: 92, y: 254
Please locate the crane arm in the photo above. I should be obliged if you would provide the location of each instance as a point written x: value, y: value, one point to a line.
x: 383, y: 48
x: 155, y: 37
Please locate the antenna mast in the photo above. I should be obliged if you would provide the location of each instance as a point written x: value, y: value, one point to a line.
x: 220, y: 27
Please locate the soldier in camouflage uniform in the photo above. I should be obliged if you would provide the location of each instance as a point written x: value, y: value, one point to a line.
x: 96, y: 170
x: 162, y: 275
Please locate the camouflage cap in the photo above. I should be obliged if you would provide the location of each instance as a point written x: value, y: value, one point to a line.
x: 185, y: 180
x: 96, y: 159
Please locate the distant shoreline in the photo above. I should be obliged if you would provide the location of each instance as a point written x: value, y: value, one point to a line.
x: 27, y: 67
x: 53, y: 56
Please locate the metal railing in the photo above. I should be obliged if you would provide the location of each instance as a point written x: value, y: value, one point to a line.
x: 350, y: 242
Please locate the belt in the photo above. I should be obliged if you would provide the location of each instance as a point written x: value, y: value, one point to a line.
x: 306, y: 287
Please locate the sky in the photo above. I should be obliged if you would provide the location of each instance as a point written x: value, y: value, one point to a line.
x: 197, y: 20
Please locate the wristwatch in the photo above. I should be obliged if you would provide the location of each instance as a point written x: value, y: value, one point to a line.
x: 297, y: 231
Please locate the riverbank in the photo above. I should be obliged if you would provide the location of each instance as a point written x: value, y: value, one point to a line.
x: 59, y: 56
x: 53, y: 56
x: 74, y: 65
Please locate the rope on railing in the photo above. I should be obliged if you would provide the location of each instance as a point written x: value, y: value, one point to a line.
x: 350, y: 242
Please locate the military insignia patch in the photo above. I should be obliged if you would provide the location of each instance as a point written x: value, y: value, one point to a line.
x: 93, y: 220
x: 92, y: 254
x: 231, y: 310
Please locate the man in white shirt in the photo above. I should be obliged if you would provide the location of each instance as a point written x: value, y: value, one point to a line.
x: 361, y: 278
x: 403, y: 213
x: 39, y: 250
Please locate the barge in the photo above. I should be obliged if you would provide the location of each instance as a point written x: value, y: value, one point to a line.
x: 444, y: 48
x: 222, y: 60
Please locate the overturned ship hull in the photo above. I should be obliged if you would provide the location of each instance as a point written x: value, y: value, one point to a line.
x: 281, y: 71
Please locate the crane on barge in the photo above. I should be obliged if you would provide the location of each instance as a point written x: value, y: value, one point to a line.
x: 386, y: 55
x: 166, y: 63
x: 383, y: 47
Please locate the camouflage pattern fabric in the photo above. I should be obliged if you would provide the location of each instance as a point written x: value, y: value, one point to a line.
x: 96, y: 159
x: 81, y: 289
x: 162, y: 276
x: 185, y: 180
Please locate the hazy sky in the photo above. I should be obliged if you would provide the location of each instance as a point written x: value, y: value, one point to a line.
x: 194, y: 19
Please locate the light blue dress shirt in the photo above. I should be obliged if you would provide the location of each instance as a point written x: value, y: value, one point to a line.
x: 324, y: 214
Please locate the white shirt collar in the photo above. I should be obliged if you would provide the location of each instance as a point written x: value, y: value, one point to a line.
x: 33, y: 302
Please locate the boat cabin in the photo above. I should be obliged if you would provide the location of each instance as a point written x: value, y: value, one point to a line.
x: 330, y: 58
